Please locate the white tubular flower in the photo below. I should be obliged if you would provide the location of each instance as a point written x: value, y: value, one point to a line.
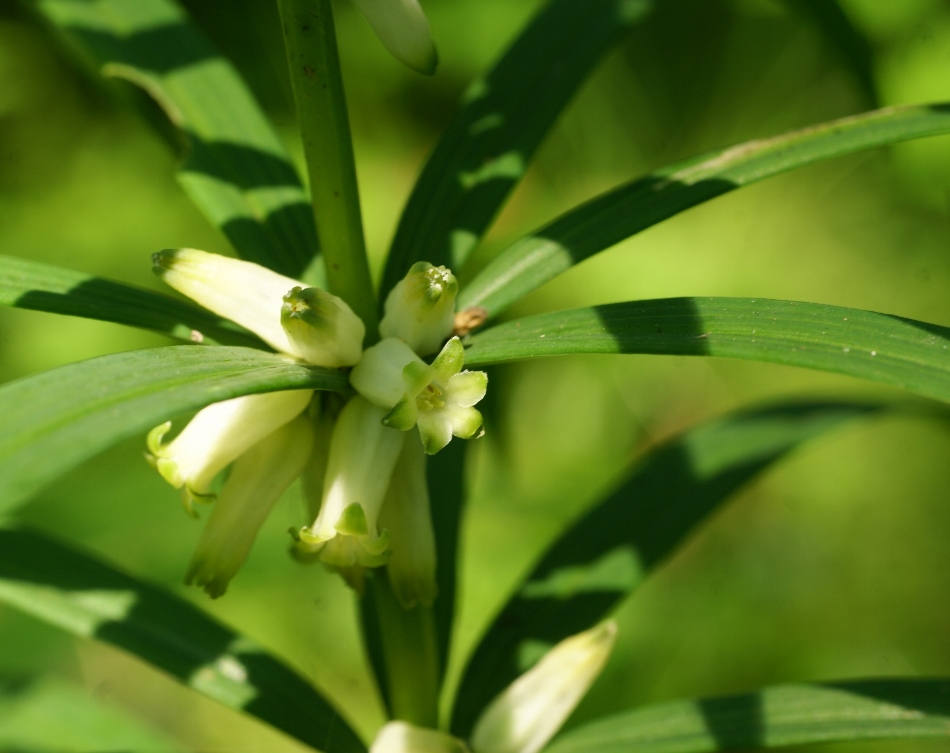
x: 439, y: 398
x: 404, y: 30
x: 362, y: 455
x: 527, y: 714
x: 259, y: 478
x: 321, y: 328
x: 407, y: 519
x: 402, y: 737
x: 420, y: 309
x: 317, y: 327
x: 217, y: 435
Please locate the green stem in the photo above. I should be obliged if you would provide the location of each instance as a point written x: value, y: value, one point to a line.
x: 324, y: 126
x: 410, y: 656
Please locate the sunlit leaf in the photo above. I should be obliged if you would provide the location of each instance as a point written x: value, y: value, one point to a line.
x: 773, y: 717
x: 600, y: 223
x: 30, y: 285
x: 235, y: 168
x: 503, y: 118
x: 52, y: 715
x: 605, y: 556
x: 54, y: 420
x: 879, y: 347
x: 88, y: 598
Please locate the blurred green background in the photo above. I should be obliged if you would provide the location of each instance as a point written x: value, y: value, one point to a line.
x: 833, y: 565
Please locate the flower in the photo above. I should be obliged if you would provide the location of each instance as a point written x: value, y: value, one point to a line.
x: 527, y: 714
x: 361, y: 459
x: 401, y: 737
x: 420, y: 309
x: 438, y: 398
x: 258, y: 479
x: 404, y: 30
x: 407, y: 519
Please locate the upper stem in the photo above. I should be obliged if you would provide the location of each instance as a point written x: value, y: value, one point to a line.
x: 310, y: 41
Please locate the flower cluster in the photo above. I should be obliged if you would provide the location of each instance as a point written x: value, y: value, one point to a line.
x: 363, y: 463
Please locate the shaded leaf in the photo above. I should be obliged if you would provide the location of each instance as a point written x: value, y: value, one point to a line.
x: 503, y: 118
x: 773, y: 717
x: 30, y: 285
x: 879, y: 347
x: 601, y: 559
x: 54, y: 420
x: 609, y: 218
x: 88, y: 598
x: 235, y: 169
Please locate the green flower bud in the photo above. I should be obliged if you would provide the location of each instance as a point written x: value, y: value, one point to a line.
x: 258, y: 479
x: 527, y: 714
x: 407, y: 519
x: 321, y: 328
x: 402, y: 737
x: 420, y: 309
x: 216, y: 436
x: 438, y: 398
x: 362, y: 455
x: 404, y: 30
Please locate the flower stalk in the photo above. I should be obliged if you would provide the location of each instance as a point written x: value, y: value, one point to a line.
x: 310, y: 40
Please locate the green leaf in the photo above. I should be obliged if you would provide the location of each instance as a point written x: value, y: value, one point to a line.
x: 609, y: 218
x: 606, y: 555
x: 883, y: 348
x: 236, y: 169
x: 88, y: 598
x: 833, y: 24
x: 30, y: 285
x: 773, y: 717
x: 54, y: 420
x: 503, y: 118
x: 51, y: 715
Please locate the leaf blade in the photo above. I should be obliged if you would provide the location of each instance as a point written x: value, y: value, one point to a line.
x: 93, y: 600
x: 631, y: 208
x: 42, y: 287
x: 57, y: 419
x: 887, y: 349
x: 607, y: 554
x: 236, y: 170
x: 503, y: 118
x: 777, y: 716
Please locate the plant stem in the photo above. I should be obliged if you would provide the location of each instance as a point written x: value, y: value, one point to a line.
x: 410, y: 655
x: 310, y: 41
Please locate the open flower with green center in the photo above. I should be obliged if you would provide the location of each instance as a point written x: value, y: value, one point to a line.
x: 438, y: 398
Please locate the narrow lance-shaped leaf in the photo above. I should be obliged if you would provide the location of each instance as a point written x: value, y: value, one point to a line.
x: 609, y: 218
x: 88, y: 598
x: 42, y: 287
x: 774, y: 717
x: 833, y: 23
x: 54, y: 420
x: 605, y: 556
x: 503, y: 118
x: 48, y: 714
x: 879, y: 347
x: 235, y: 169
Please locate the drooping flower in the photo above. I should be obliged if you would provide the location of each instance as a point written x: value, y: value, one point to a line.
x: 258, y: 479
x: 402, y: 737
x: 438, y: 398
x: 404, y: 30
x: 407, y: 519
x: 527, y: 714
x: 361, y: 459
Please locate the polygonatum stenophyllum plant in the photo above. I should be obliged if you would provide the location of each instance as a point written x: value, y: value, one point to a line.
x: 298, y: 367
